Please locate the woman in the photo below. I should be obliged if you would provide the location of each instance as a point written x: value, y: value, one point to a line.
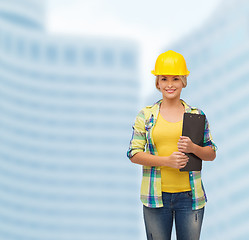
x: 167, y: 193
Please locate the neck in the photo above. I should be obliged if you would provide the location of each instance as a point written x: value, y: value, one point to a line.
x: 171, y: 103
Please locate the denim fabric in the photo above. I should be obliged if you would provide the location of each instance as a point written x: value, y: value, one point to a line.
x: 177, y: 207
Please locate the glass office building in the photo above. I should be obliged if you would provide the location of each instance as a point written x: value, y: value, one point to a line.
x: 217, y: 55
x: 66, y: 108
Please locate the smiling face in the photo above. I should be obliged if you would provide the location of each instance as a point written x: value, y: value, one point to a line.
x: 170, y: 86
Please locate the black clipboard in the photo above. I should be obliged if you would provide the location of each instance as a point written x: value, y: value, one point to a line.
x: 193, y: 127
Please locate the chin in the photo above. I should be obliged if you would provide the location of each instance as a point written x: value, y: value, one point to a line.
x: 172, y: 96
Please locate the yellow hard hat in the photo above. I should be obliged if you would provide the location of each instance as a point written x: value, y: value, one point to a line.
x: 170, y: 63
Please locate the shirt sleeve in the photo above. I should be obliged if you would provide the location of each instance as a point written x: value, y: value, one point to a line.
x: 138, y: 139
x: 208, y: 139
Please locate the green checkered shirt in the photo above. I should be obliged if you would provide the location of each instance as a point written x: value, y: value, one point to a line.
x: 151, y: 193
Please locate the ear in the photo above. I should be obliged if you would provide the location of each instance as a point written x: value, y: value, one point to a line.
x: 157, y: 82
x: 157, y: 86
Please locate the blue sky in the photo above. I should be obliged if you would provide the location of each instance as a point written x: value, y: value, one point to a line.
x: 153, y: 24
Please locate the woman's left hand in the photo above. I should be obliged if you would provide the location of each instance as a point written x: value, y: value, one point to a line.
x: 185, y: 145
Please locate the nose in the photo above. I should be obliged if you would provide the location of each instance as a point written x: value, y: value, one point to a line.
x: 170, y: 83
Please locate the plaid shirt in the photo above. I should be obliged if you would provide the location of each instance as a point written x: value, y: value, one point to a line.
x: 151, y: 193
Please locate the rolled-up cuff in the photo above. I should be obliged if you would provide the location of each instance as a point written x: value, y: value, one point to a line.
x: 211, y: 144
x: 132, y: 152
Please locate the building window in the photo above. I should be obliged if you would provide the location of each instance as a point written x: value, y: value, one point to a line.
x: 108, y: 57
x: 51, y: 53
x: 7, y: 42
x: 1, y: 40
x: 128, y: 60
x: 70, y: 55
x: 20, y: 47
x: 35, y: 51
x: 89, y: 57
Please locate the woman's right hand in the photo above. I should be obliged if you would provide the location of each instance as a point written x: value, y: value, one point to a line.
x: 177, y: 160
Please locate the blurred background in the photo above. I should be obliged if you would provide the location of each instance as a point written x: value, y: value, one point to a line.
x: 74, y: 74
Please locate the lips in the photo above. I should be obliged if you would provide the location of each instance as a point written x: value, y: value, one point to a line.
x: 170, y: 90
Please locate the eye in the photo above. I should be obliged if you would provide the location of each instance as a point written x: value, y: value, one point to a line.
x: 176, y: 79
x: 163, y: 79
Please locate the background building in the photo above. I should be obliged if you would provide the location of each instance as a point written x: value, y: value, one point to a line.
x: 217, y: 56
x: 65, y: 114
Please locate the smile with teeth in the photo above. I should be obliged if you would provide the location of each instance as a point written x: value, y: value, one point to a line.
x: 170, y: 90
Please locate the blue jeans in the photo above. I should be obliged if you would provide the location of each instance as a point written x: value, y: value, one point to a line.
x: 178, y: 207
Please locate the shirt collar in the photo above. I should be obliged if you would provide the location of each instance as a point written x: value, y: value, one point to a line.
x: 188, y: 108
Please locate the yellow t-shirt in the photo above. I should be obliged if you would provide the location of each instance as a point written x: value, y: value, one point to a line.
x: 166, y: 135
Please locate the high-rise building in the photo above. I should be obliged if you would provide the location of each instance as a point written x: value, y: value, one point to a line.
x: 217, y: 55
x: 66, y: 107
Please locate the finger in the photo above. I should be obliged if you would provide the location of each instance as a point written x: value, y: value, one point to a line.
x: 176, y: 154
x: 185, y: 157
x: 184, y: 137
x: 180, y: 153
x: 183, y: 161
x: 181, y: 141
x: 185, y: 140
x: 182, y: 166
x: 182, y: 144
x: 182, y: 150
